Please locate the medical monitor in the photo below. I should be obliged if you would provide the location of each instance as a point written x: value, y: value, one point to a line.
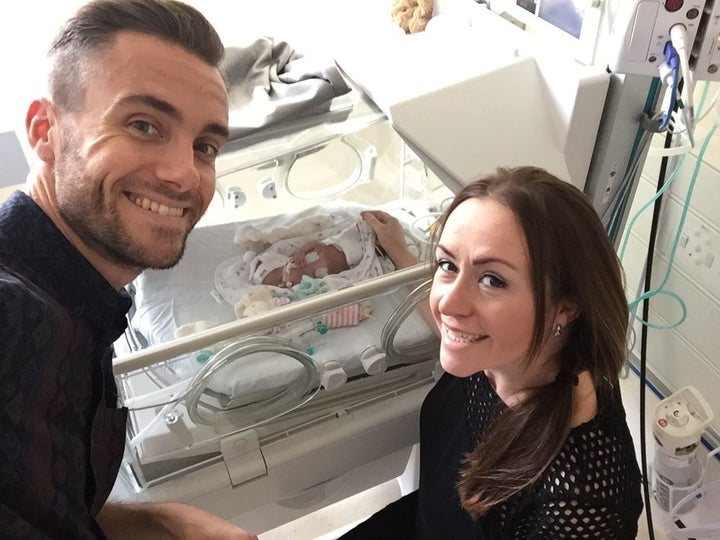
x: 568, y: 26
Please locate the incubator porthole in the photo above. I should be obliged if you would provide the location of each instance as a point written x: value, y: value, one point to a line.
x: 323, y: 172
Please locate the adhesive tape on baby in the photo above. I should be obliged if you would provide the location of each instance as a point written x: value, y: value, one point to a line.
x: 373, y: 361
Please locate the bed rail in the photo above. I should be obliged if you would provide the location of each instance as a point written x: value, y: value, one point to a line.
x: 257, y: 323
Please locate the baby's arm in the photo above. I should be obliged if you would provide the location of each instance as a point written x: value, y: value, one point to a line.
x: 390, y: 237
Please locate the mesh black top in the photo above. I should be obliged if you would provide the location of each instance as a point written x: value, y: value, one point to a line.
x: 590, y: 490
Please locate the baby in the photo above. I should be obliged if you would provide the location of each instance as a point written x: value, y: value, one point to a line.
x: 333, y: 255
x: 314, y: 259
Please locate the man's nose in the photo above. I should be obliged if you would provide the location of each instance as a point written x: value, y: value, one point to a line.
x: 177, y: 165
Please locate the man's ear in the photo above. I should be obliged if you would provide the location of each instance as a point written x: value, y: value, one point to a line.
x: 41, y: 127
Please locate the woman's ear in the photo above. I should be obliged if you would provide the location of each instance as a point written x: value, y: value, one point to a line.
x: 567, y: 312
x: 41, y: 127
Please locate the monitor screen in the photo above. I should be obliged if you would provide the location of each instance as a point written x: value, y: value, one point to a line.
x: 564, y: 14
x: 569, y: 26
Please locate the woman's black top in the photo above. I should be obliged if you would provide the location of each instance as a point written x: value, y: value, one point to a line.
x: 590, y: 491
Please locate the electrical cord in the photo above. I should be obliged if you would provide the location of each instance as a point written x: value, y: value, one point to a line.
x: 643, y: 338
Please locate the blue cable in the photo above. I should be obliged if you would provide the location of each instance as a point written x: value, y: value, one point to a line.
x: 672, y: 59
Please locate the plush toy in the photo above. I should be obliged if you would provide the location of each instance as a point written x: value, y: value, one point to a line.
x: 412, y: 15
x: 258, y: 300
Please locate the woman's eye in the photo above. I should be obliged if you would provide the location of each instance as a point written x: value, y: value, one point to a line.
x: 489, y: 280
x: 207, y: 149
x: 144, y: 127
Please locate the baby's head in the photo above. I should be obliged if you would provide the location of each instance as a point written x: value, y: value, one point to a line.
x: 313, y: 259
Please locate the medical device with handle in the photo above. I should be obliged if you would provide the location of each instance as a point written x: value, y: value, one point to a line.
x: 678, y: 427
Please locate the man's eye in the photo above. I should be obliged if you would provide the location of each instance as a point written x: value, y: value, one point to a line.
x: 144, y: 127
x: 207, y: 149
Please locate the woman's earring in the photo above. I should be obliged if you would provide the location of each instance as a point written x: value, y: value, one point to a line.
x: 558, y: 330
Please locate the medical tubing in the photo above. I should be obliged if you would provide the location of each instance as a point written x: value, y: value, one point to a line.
x: 261, y: 322
x: 658, y: 193
x: 425, y: 349
x: 678, y: 233
x: 666, y: 185
x: 190, y: 397
x: 234, y: 353
x: 713, y: 101
x: 679, y: 38
x: 622, y: 196
x: 659, y: 290
x: 633, y: 159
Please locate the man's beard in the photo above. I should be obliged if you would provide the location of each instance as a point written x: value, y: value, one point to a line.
x: 82, y: 205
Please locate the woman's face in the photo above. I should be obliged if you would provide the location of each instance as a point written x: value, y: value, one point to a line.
x: 481, y: 297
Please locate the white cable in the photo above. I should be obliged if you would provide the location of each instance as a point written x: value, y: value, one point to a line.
x: 679, y: 38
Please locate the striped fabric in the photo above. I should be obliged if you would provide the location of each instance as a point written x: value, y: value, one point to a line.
x: 345, y: 316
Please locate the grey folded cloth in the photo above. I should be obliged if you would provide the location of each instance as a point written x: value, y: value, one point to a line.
x: 270, y: 83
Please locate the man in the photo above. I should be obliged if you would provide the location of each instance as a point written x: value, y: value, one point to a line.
x: 126, y: 144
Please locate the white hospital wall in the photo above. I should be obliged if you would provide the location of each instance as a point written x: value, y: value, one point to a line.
x: 688, y: 354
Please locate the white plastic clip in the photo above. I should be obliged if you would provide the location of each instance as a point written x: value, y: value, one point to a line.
x: 373, y: 361
x: 333, y: 375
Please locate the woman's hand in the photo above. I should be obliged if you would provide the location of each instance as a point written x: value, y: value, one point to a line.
x: 390, y: 237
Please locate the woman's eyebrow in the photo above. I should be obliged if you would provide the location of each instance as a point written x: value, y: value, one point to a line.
x: 480, y: 261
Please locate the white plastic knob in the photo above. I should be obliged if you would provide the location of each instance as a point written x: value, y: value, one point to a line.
x: 333, y: 375
x: 373, y: 361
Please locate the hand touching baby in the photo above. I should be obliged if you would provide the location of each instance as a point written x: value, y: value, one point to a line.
x: 390, y: 237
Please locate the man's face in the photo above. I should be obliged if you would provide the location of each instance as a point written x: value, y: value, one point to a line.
x: 135, y: 168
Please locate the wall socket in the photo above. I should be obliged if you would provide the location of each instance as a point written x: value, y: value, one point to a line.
x: 698, y: 251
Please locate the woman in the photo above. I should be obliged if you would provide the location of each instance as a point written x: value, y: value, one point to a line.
x: 524, y: 436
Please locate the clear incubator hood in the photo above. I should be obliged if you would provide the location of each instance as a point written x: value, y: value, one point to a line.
x: 241, y: 395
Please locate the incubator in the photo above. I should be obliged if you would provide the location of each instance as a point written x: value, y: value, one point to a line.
x: 242, y: 394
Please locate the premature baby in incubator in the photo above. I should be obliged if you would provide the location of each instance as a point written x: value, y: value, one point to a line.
x: 330, y: 256
x: 314, y: 259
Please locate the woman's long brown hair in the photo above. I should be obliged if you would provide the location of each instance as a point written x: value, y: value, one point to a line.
x: 571, y: 258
